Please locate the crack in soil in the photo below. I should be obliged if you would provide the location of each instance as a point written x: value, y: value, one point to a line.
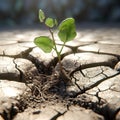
x: 49, y: 87
x: 23, y: 54
x: 21, y: 73
x: 58, y: 115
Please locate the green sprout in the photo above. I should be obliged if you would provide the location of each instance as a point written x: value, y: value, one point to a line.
x: 66, y: 32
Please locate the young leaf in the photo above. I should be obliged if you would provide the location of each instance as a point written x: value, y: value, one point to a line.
x: 41, y: 16
x: 56, y: 22
x: 50, y: 22
x: 45, y: 43
x: 67, y: 30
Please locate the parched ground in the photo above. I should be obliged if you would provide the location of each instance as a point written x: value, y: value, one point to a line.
x: 30, y: 85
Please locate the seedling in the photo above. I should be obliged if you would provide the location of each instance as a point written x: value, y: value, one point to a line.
x: 66, y: 32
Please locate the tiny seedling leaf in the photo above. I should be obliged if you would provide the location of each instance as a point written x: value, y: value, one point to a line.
x: 67, y: 30
x: 41, y: 16
x: 49, y: 22
x: 56, y: 22
x: 45, y: 43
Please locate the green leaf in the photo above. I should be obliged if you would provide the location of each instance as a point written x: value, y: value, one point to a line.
x: 50, y: 22
x: 67, y: 30
x: 45, y: 43
x: 41, y: 16
x: 56, y: 22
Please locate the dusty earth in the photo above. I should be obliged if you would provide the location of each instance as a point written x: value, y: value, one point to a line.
x: 31, y: 87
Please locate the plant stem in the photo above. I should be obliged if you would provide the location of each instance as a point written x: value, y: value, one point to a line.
x: 51, y: 32
x: 57, y: 52
x: 63, y: 73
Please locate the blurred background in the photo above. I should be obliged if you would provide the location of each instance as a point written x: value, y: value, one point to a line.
x: 25, y: 12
